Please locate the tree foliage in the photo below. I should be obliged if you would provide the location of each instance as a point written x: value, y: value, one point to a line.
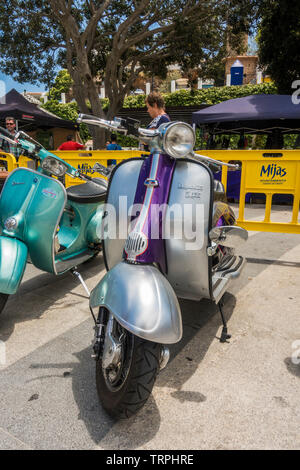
x: 112, y: 40
x: 278, y: 40
x: 62, y: 84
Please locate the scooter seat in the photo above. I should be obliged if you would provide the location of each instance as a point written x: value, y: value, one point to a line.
x: 88, y: 192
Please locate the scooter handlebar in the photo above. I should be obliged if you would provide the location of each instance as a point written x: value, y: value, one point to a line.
x: 6, y: 135
x: 96, y: 121
x: 205, y: 159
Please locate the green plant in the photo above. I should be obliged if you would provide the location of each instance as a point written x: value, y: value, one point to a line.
x: 209, y: 96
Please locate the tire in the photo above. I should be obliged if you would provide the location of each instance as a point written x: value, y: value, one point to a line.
x: 3, y: 300
x: 140, y: 366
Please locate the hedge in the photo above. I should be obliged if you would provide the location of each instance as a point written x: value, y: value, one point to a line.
x: 208, y: 96
x: 211, y: 95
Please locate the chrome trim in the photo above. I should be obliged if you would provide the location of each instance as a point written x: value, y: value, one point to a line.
x: 204, y: 159
x: 94, y: 121
x: 151, y: 183
x: 164, y: 134
x: 221, y: 279
x: 164, y: 357
x: 112, y: 348
x: 138, y: 228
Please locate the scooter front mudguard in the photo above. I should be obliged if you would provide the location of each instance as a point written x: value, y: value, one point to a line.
x: 142, y: 301
x: 13, y: 257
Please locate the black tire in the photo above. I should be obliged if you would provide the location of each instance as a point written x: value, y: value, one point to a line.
x: 3, y: 300
x: 141, y: 365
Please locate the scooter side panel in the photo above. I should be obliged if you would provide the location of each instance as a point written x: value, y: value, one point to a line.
x: 188, y: 221
x: 37, y: 202
x: 142, y: 301
x: 13, y: 257
x: 120, y: 198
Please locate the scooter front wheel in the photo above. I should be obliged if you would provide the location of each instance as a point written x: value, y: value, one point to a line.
x: 126, y: 371
x: 3, y: 300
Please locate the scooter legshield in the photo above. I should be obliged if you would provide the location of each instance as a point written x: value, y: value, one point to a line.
x: 142, y: 301
x: 13, y: 257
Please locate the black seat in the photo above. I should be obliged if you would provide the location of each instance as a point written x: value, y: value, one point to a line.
x: 88, y: 192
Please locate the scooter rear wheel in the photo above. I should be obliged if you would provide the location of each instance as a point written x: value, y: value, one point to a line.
x: 124, y: 390
x: 3, y: 300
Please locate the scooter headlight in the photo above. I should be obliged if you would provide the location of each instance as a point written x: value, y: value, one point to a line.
x: 178, y: 139
x: 53, y: 166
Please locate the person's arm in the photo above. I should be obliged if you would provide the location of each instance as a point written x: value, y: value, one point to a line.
x: 80, y: 146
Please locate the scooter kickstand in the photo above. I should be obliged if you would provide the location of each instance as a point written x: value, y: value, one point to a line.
x: 78, y: 275
x: 224, y: 335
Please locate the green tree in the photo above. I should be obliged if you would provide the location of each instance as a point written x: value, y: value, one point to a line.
x: 109, y: 40
x: 278, y: 40
x: 62, y: 84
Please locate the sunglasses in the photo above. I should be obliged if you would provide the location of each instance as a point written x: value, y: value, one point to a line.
x: 10, y: 123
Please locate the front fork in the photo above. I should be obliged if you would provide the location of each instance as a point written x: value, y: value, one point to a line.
x: 109, y: 348
x: 100, y: 325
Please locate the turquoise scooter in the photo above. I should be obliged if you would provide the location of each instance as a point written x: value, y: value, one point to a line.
x: 54, y: 228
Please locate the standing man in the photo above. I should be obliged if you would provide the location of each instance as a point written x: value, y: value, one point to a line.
x: 156, y: 108
x: 10, y: 124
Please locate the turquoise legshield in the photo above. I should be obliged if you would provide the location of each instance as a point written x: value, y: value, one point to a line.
x: 13, y: 257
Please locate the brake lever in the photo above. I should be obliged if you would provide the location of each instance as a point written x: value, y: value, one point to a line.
x: 89, y: 178
x: 208, y: 160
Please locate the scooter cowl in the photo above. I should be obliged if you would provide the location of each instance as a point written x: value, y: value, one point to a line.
x: 13, y: 257
x: 142, y: 301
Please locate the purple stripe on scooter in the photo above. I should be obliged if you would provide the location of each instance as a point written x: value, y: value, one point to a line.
x: 153, y: 226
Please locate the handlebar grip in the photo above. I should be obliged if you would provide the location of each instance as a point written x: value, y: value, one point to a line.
x: 88, y: 116
x: 6, y: 133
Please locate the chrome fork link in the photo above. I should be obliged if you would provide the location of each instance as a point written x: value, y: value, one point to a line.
x: 100, y: 333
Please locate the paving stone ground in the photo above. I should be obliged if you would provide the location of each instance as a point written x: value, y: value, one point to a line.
x: 238, y: 395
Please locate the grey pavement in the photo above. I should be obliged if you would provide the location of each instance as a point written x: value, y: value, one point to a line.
x: 239, y: 395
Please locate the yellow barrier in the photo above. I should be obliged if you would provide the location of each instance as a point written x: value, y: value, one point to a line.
x: 8, y: 161
x: 263, y: 171
x: 269, y: 172
x: 85, y: 160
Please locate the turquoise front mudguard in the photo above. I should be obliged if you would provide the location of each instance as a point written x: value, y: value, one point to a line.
x: 13, y: 257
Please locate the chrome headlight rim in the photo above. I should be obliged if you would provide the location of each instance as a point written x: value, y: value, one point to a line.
x: 54, y: 166
x: 168, y: 148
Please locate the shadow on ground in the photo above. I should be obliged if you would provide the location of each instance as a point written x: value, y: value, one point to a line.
x: 292, y: 367
x: 201, y: 320
x: 43, y: 292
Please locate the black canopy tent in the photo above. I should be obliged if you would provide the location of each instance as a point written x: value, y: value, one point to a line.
x: 254, y: 114
x: 29, y: 116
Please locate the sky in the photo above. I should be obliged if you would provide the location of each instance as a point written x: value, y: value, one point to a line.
x: 9, y: 83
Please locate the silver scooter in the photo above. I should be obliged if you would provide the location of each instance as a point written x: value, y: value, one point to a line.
x: 179, y: 242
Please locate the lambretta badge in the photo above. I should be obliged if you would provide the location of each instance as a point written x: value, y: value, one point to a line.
x: 49, y: 193
x: 16, y: 183
x: 196, y: 187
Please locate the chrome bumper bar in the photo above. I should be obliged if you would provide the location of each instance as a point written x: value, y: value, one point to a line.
x: 222, y: 278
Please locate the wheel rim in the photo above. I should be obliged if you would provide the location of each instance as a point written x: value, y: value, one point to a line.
x: 115, y: 374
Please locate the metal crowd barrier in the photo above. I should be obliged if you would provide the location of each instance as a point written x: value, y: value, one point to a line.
x: 7, y: 162
x: 85, y: 160
x: 267, y: 172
